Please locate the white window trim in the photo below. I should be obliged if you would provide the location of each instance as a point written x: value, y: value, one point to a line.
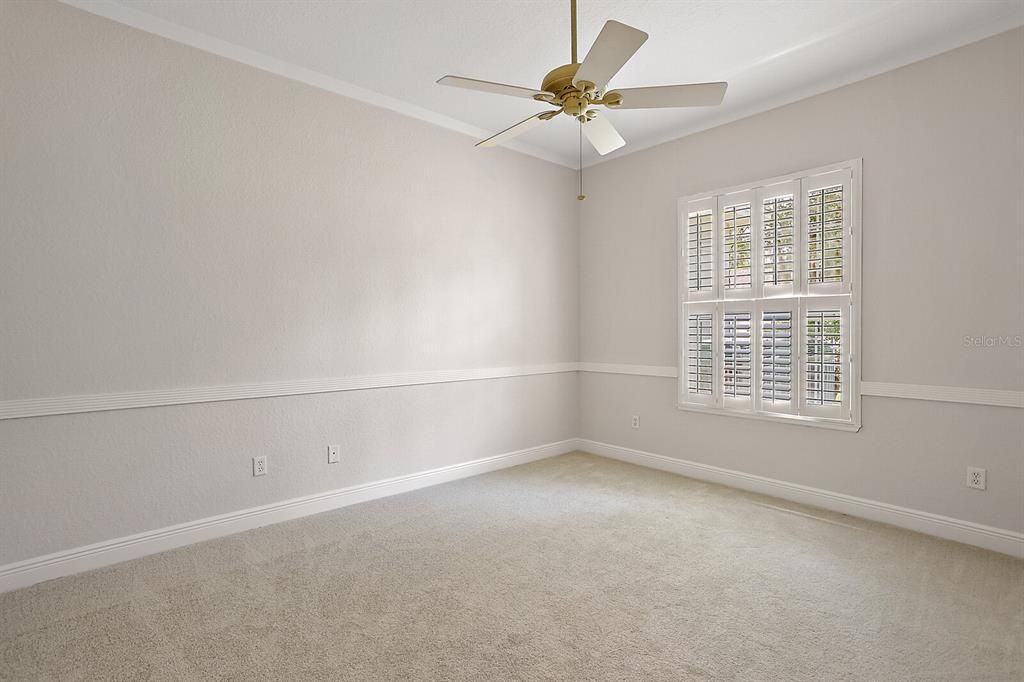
x: 801, y: 298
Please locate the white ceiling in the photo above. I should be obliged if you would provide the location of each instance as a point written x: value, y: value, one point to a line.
x: 392, y: 51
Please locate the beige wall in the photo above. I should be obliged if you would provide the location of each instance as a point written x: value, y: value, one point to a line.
x: 170, y: 219
x: 173, y: 219
x: 943, y: 246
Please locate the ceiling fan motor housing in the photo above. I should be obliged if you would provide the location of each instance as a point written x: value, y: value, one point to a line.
x: 574, y: 99
x: 560, y: 78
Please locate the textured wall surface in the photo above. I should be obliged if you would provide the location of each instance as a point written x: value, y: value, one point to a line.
x: 173, y: 219
x: 943, y: 241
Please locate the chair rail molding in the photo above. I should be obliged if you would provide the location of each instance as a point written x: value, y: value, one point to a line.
x: 72, y: 404
x: 882, y: 389
x: 100, y: 402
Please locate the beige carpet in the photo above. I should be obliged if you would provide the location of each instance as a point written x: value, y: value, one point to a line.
x: 572, y: 568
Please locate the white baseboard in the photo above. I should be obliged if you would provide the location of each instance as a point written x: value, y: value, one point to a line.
x: 988, y: 537
x: 31, y: 571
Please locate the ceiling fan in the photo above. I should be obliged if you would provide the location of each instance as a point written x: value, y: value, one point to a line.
x: 576, y: 89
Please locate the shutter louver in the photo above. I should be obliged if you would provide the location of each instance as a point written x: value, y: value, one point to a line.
x: 736, y: 267
x: 736, y: 355
x: 823, y: 366
x: 699, y: 364
x: 698, y: 249
x: 825, y: 235
x: 776, y: 356
x: 777, y: 241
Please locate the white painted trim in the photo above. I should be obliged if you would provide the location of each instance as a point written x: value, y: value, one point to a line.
x: 151, y: 24
x: 636, y: 370
x: 927, y: 49
x: 24, y: 573
x: 130, y: 16
x: 948, y: 394
x: 988, y: 537
x: 101, y: 402
x: 777, y: 417
x: 72, y: 404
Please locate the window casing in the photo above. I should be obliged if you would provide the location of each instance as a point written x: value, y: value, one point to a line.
x: 768, y: 287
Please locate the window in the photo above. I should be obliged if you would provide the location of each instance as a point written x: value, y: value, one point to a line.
x: 768, y: 299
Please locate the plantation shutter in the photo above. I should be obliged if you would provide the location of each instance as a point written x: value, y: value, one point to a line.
x: 699, y: 251
x: 737, y: 240
x: 822, y: 364
x: 737, y: 356
x: 699, y: 358
x: 826, y: 227
x: 825, y: 370
x: 699, y: 361
x: 768, y: 310
x: 777, y: 359
x: 779, y: 238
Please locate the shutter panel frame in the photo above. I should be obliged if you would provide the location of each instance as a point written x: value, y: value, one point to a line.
x: 736, y: 211
x: 818, y: 260
x: 699, y: 250
x: 776, y: 232
x: 771, y: 350
x: 699, y: 366
x: 813, y: 405
x: 734, y: 315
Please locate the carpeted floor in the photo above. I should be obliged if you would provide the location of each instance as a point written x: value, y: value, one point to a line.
x: 572, y: 568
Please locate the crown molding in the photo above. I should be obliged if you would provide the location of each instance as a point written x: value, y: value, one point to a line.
x: 222, y: 48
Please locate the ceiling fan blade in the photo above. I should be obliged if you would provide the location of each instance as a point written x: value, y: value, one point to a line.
x: 514, y: 131
x: 488, y: 86
x: 614, y: 46
x: 659, y: 96
x: 603, y: 135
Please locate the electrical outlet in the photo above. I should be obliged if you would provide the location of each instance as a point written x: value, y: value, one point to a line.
x: 636, y: 422
x: 976, y: 478
x: 332, y: 454
x: 259, y: 465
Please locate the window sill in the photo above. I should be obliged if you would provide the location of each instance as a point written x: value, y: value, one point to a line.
x: 818, y: 422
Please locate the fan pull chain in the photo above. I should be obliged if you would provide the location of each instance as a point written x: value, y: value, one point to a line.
x: 581, y: 196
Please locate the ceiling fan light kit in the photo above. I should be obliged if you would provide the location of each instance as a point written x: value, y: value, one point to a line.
x: 578, y: 88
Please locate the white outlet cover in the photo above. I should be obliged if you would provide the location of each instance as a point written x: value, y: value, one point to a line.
x: 259, y: 465
x: 332, y: 454
x: 977, y: 478
x: 636, y: 422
